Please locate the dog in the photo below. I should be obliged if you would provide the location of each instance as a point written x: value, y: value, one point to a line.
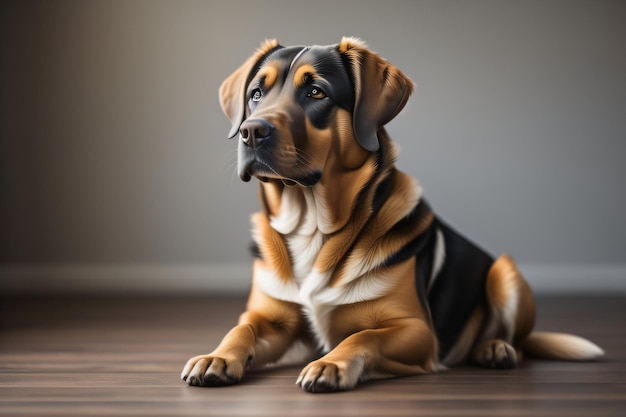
x: 353, y: 271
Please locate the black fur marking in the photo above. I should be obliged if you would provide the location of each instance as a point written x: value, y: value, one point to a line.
x: 383, y: 190
x: 386, y: 74
x: 460, y: 287
x: 332, y: 79
x: 255, y: 251
x: 420, y: 242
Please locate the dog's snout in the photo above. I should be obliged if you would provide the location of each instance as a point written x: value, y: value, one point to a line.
x: 255, y: 131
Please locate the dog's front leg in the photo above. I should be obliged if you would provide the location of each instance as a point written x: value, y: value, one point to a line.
x: 264, y: 332
x: 406, y: 347
x: 226, y: 364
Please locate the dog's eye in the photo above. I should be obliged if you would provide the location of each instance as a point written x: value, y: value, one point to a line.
x: 257, y: 95
x: 316, y: 92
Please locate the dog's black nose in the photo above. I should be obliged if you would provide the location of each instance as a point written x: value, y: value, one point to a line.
x: 255, y: 131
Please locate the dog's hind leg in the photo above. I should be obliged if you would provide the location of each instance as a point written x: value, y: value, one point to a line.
x: 511, y: 316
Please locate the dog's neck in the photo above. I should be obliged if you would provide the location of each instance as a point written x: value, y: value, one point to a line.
x: 299, y: 211
x: 301, y: 230
x: 326, y: 207
x: 329, y: 205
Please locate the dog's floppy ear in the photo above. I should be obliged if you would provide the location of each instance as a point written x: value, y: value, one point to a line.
x: 381, y: 91
x: 233, y: 89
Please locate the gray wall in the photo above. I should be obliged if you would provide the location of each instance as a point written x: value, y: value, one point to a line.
x: 114, y: 154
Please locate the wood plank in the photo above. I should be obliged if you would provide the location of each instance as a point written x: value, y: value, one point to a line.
x: 114, y: 357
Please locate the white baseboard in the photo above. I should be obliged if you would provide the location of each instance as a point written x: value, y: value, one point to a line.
x: 234, y: 279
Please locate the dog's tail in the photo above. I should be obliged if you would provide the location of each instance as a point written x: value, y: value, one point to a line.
x: 560, y: 346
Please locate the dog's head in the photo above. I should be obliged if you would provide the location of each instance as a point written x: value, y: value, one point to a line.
x: 296, y: 108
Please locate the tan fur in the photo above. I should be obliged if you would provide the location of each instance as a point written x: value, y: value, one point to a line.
x: 382, y: 338
x: 349, y: 154
x: 272, y: 246
x: 270, y: 194
x: 302, y: 73
x: 375, y: 245
x: 349, y: 42
x: 511, y: 316
x: 560, y: 346
x: 232, y: 89
x: 269, y: 74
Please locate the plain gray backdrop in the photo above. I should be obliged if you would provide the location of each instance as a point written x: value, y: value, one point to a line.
x: 114, y: 154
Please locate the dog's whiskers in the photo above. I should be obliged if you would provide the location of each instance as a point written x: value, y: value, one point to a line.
x: 299, y: 156
x: 231, y: 164
x: 283, y: 177
x: 303, y: 157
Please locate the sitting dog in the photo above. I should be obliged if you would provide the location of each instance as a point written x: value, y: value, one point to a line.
x: 352, y: 269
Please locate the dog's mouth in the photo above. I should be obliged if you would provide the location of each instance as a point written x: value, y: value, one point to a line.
x: 263, y: 171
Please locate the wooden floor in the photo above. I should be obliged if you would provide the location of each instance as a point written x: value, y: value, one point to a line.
x: 123, y: 357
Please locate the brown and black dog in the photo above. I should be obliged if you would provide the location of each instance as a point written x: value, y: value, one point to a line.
x: 352, y: 269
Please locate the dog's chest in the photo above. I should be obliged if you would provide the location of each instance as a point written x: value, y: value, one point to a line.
x: 308, y: 287
x: 298, y: 224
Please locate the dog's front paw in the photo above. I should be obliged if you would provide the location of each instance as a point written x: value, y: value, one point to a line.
x: 329, y: 376
x: 214, y: 371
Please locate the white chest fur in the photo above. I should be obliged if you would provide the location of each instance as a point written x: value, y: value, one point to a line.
x: 299, y: 223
